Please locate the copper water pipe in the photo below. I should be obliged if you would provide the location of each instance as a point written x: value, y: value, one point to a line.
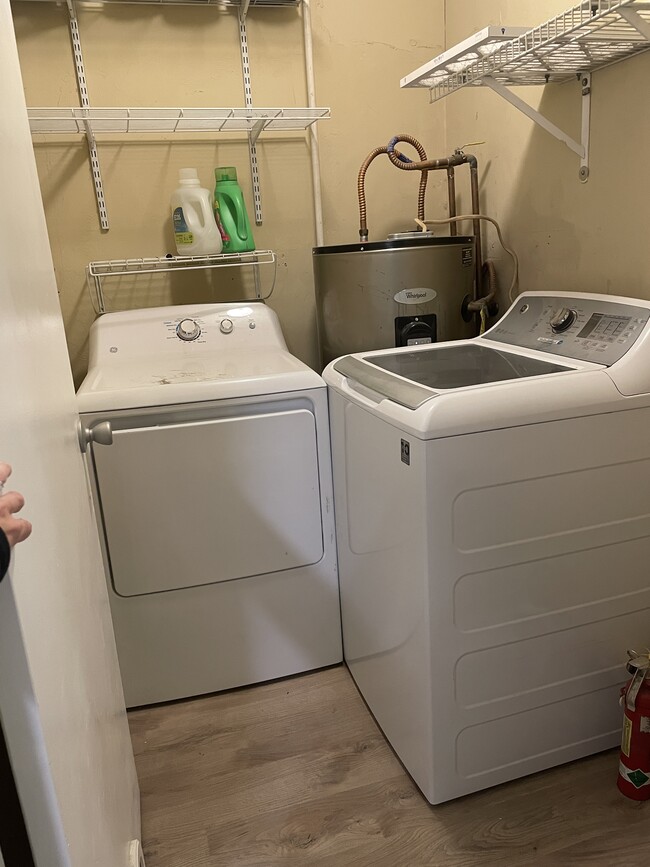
x: 458, y: 158
x: 476, y: 209
x: 451, y: 190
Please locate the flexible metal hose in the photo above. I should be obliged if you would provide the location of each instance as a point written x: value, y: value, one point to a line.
x: 361, y: 191
x: 361, y: 180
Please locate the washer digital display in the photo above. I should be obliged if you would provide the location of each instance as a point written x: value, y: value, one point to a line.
x: 602, y: 325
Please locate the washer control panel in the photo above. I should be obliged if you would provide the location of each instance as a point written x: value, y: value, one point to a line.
x: 577, y: 327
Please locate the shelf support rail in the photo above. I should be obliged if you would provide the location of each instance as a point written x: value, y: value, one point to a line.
x: 581, y: 148
x: 85, y: 104
x: 248, y: 101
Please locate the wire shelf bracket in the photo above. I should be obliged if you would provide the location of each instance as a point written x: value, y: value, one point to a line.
x: 580, y: 148
x: 587, y: 37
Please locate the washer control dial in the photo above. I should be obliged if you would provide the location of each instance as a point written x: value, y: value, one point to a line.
x: 562, y: 319
x: 188, y: 329
x: 226, y: 326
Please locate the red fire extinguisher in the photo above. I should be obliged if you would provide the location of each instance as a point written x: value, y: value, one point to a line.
x: 634, y: 763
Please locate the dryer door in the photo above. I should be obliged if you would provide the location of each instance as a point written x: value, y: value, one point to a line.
x: 210, y: 501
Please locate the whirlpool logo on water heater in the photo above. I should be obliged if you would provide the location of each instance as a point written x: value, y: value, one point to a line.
x: 415, y: 296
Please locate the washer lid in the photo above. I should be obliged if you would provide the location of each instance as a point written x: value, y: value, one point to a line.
x: 216, y: 376
x: 462, y: 365
x: 441, y: 368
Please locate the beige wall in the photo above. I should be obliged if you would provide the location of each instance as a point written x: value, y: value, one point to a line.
x: 188, y: 56
x: 569, y: 235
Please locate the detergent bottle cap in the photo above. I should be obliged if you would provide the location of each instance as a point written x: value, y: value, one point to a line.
x: 188, y: 176
x: 225, y: 173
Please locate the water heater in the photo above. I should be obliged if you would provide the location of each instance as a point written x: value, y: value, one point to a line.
x: 410, y: 289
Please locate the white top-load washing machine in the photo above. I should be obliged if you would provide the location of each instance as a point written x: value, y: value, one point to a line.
x: 493, y: 521
x: 209, y: 456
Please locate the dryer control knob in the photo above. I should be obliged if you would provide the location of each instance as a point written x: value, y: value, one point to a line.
x: 562, y: 319
x: 226, y: 326
x: 188, y: 329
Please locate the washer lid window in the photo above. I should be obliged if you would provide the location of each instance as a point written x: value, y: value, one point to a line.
x: 462, y: 365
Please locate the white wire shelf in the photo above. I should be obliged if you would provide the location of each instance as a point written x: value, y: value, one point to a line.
x: 571, y: 46
x: 243, y: 5
x: 155, y: 265
x: 253, y: 121
x: 593, y: 34
x: 462, y: 55
x: 99, y: 271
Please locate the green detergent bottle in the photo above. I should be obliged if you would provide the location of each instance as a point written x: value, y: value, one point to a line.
x: 237, y: 235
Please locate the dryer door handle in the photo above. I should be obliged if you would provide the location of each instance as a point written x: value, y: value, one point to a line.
x: 101, y: 433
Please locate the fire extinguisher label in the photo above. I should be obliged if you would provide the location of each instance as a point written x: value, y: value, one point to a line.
x: 644, y: 724
x: 638, y: 778
x: 627, y: 735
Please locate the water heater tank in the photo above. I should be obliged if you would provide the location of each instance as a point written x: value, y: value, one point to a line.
x: 408, y: 290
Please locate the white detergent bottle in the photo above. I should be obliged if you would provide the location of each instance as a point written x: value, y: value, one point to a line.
x: 195, y: 230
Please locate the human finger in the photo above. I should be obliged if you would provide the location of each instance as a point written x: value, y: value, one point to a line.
x: 11, y: 502
x: 5, y: 472
x: 17, y: 530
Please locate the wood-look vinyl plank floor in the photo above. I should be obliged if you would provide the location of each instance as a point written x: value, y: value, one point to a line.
x: 296, y: 773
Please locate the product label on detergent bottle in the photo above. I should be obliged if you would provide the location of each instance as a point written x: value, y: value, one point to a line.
x: 181, y: 232
x: 225, y: 237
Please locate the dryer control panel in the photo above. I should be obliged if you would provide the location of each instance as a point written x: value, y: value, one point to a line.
x: 586, y: 328
x: 207, y: 324
x: 162, y: 334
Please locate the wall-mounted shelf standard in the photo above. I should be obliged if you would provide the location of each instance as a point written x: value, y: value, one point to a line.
x: 252, y: 121
x: 589, y: 36
x: 97, y: 272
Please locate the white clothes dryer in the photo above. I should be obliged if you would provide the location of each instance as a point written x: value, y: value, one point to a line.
x: 493, y: 521
x: 209, y: 458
